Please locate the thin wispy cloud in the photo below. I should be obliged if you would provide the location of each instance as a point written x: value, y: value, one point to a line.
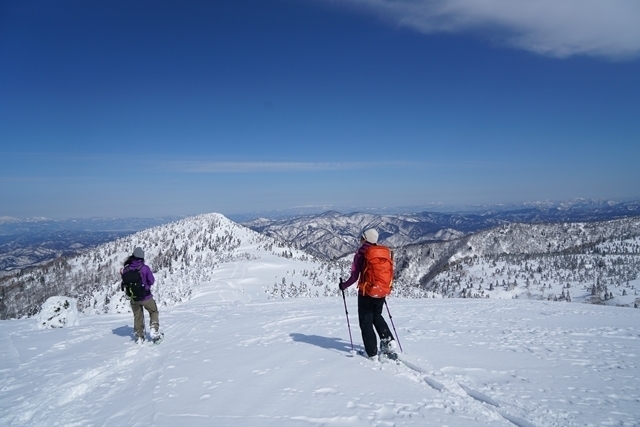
x: 559, y: 28
x: 252, y: 167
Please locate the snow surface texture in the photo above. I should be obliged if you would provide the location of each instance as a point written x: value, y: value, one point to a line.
x: 235, y: 355
x: 232, y: 357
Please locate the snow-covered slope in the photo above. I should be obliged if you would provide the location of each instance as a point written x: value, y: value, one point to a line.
x: 532, y: 261
x: 34, y: 241
x: 332, y: 235
x: 513, y: 260
x: 233, y: 356
x: 32, y: 249
x: 183, y: 255
x: 238, y: 360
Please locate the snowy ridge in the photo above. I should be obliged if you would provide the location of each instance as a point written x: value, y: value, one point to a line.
x: 332, y: 234
x: 32, y: 249
x: 8, y: 219
x: 540, y: 261
x: 31, y: 242
x: 183, y: 255
x: 233, y: 356
x: 514, y: 260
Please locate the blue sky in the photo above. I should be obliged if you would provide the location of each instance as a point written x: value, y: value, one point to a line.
x: 151, y: 108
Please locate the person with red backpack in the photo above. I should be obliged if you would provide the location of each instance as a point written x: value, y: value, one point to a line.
x: 137, y: 280
x: 372, y: 268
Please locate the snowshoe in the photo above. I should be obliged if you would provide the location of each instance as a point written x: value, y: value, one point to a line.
x: 158, y: 338
x: 388, y: 348
x: 390, y: 355
x: 373, y: 358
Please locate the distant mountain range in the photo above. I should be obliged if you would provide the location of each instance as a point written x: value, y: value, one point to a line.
x: 13, y: 226
x: 329, y: 235
x: 605, y: 206
x: 333, y: 234
x: 436, y: 255
x: 29, y: 249
x: 33, y: 241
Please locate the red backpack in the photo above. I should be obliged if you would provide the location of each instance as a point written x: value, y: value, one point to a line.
x: 376, y: 279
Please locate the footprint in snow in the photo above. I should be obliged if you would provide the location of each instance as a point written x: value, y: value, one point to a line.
x: 327, y: 390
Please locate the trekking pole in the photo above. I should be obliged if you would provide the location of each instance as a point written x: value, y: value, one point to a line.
x: 348, y: 325
x: 394, y: 326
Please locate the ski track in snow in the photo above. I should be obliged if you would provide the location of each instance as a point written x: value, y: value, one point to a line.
x: 231, y: 360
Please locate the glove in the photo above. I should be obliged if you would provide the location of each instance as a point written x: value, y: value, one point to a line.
x: 340, y: 285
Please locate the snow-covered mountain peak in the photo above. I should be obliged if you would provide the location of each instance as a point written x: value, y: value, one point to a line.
x: 185, y: 256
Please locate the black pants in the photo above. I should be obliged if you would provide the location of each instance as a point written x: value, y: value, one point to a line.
x: 370, y: 316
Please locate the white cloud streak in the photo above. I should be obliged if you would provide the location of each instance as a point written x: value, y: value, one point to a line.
x: 253, y: 167
x: 558, y: 28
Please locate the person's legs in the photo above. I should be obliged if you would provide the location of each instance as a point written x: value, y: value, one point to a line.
x: 378, y: 320
x: 138, y: 319
x: 365, y: 318
x: 152, y: 308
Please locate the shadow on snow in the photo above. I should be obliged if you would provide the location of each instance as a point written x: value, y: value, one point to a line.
x: 124, y: 331
x: 324, y: 342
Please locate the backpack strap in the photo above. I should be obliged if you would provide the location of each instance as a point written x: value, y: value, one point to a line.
x: 128, y: 268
